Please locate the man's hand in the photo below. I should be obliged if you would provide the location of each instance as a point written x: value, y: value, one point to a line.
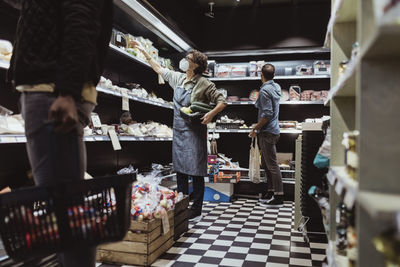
x: 207, y: 118
x: 252, y: 134
x: 63, y: 112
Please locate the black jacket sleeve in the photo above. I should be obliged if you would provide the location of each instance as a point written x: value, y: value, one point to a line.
x: 81, y: 26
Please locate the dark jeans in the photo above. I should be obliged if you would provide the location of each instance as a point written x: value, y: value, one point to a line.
x: 198, y: 189
x: 267, y: 143
x: 56, y: 157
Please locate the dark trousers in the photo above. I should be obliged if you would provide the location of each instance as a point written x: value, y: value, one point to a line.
x: 198, y: 189
x: 267, y: 144
x: 55, y: 158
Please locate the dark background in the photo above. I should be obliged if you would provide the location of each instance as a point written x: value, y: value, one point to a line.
x: 248, y: 24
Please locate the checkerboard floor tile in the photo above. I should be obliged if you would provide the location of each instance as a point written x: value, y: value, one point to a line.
x: 243, y: 233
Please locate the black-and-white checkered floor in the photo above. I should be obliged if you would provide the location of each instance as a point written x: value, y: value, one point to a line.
x: 243, y: 233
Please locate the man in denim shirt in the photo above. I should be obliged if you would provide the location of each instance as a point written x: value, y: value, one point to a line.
x: 268, y: 132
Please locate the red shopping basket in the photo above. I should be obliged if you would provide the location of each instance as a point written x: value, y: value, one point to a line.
x: 42, y: 220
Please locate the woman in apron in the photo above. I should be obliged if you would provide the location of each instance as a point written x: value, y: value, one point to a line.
x: 189, y: 146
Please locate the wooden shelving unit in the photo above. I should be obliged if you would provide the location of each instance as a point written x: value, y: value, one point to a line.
x: 366, y: 99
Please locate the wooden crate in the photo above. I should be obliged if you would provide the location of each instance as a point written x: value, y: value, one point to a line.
x: 181, y: 217
x: 181, y: 205
x: 142, y: 245
x: 181, y: 223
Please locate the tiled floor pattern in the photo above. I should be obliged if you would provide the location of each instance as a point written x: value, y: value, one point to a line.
x: 243, y: 233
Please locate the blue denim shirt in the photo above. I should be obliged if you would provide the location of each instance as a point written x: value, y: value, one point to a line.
x: 268, y: 106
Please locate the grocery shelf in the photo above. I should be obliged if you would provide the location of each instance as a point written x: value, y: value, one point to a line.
x: 379, y: 205
x: 284, y: 180
x: 289, y: 77
x: 384, y: 43
x: 244, y: 169
x: 343, y: 11
x: 240, y: 103
x: 135, y: 98
x: 125, y: 138
x: 12, y: 138
x: 15, y: 139
x: 126, y: 54
x: 4, y: 65
x: 283, y: 131
x: 346, y: 85
x: 338, y: 177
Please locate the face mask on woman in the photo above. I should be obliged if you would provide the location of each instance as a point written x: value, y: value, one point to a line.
x: 184, y: 65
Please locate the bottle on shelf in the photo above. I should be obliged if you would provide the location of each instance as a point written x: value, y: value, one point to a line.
x: 341, y: 228
x: 322, y: 199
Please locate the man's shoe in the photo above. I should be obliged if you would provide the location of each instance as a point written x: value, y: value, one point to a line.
x: 267, y: 197
x: 195, y: 216
x: 276, y: 201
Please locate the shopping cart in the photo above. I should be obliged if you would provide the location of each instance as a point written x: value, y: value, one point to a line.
x: 43, y: 220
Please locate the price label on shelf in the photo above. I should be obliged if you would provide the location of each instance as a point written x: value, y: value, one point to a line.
x: 7, y: 139
x: 339, y: 187
x: 125, y: 103
x: 114, y: 140
x: 20, y: 139
x: 99, y: 138
x: 331, y: 177
x: 96, y: 120
x: 349, y: 198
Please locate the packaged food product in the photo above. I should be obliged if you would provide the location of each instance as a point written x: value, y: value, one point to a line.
x: 324, y: 95
x: 224, y: 92
x: 306, y: 95
x: 232, y: 98
x: 149, y: 199
x: 222, y: 71
x: 211, y: 67
x: 288, y: 124
x: 342, y: 68
x: 6, y: 49
x: 351, y: 155
x: 294, y: 93
x: 316, y: 96
x: 304, y: 70
x: 238, y: 71
x: 284, y: 96
x: 260, y: 64
x: 120, y: 39
x: 254, y: 95
x: 253, y: 69
x: 322, y: 67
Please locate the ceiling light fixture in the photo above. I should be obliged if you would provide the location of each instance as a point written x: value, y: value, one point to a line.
x: 162, y: 30
x: 210, y: 14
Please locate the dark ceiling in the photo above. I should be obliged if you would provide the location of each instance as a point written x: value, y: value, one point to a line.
x: 247, y: 24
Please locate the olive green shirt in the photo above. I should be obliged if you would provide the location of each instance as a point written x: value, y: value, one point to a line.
x: 203, y: 91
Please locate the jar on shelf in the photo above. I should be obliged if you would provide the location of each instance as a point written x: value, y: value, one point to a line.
x: 342, y: 68
x: 351, y: 155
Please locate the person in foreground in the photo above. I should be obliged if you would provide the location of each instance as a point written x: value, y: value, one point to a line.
x: 189, y: 147
x: 268, y: 132
x: 57, y: 62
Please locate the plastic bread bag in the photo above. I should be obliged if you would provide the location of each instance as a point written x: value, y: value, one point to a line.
x: 6, y: 49
x: 129, y: 170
